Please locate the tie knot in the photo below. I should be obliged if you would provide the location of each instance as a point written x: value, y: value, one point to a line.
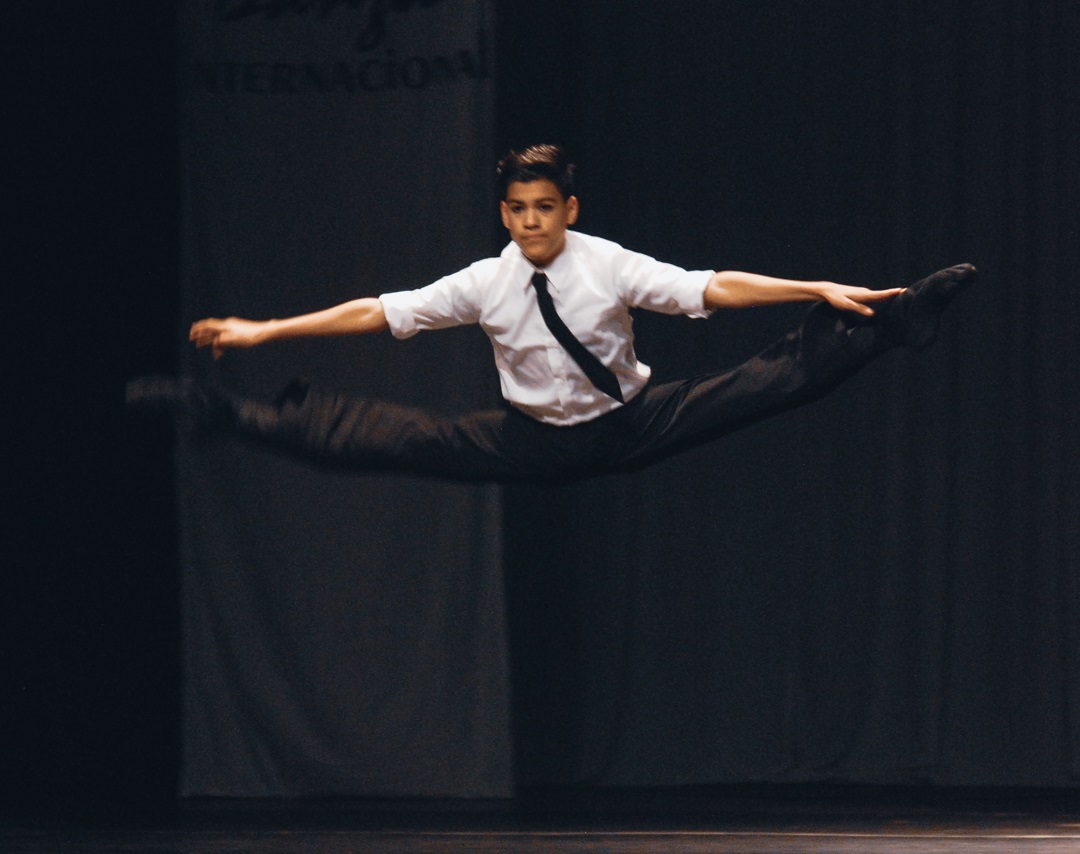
x: 540, y: 280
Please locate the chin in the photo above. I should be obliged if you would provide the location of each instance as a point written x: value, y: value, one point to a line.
x: 537, y: 255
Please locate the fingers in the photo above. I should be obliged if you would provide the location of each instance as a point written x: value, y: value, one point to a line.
x: 857, y: 299
x: 877, y: 296
x: 203, y: 338
x: 207, y: 333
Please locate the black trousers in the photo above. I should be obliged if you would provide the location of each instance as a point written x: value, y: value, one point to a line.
x: 505, y: 445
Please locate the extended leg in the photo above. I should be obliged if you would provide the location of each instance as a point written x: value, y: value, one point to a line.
x: 828, y: 347
x: 340, y: 431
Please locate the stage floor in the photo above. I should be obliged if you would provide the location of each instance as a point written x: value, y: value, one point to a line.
x: 883, y: 838
x: 1037, y: 824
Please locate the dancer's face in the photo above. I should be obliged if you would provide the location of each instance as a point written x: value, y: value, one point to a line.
x: 537, y: 217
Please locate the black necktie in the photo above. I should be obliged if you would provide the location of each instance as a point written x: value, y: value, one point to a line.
x: 600, y: 376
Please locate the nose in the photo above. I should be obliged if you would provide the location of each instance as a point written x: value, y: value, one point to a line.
x: 532, y: 218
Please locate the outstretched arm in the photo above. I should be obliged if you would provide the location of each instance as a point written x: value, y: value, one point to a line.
x: 355, y: 317
x: 732, y: 289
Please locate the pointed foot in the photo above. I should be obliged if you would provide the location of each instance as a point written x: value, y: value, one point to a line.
x: 913, y: 317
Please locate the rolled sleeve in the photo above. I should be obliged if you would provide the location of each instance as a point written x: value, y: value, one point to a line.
x: 398, y: 308
x: 689, y: 292
x: 451, y: 301
x: 662, y: 287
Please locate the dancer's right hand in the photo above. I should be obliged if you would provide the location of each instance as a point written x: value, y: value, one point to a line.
x: 221, y: 334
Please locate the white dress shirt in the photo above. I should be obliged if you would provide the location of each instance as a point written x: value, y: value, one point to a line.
x: 593, y: 283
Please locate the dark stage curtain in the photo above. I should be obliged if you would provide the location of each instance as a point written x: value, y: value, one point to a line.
x: 882, y: 587
x: 343, y: 635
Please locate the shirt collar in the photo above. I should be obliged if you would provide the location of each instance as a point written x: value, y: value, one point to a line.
x: 556, y: 271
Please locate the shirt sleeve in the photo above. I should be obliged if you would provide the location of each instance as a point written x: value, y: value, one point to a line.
x: 451, y: 301
x: 662, y: 287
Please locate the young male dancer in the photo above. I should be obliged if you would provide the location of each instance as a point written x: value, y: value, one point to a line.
x: 555, y: 305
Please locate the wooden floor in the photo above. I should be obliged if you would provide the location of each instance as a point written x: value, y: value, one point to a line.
x: 881, y: 839
x: 1040, y: 824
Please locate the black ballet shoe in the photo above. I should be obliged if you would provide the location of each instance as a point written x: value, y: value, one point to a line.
x: 196, y: 410
x: 912, y: 317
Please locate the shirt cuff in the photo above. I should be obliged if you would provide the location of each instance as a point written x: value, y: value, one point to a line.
x: 399, y: 314
x: 697, y: 308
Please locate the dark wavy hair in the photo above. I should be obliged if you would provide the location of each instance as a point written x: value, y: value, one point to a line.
x: 533, y: 164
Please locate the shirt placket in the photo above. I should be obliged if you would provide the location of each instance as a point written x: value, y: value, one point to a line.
x: 563, y: 368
